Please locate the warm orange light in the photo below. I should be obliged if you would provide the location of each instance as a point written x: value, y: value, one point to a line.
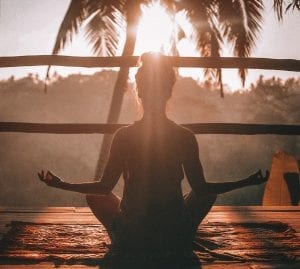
x: 155, y: 30
x: 158, y: 30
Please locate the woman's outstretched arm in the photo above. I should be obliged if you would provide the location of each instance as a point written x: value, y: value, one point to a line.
x: 254, y: 179
x: 52, y: 180
x: 195, y: 175
x: 109, y: 179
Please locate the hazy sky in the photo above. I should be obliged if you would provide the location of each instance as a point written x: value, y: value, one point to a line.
x: 29, y: 27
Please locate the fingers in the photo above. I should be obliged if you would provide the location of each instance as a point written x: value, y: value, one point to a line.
x: 260, y: 173
x: 41, y: 175
x: 259, y: 178
x: 45, y: 178
x: 50, y: 175
x: 263, y: 178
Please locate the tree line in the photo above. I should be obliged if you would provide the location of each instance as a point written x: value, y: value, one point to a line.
x: 85, y: 99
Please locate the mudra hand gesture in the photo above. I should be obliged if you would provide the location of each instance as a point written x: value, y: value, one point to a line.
x: 50, y: 179
x: 258, y: 178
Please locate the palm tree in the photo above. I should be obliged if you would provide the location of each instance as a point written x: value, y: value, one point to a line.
x: 215, y: 21
x: 105, y: 21
x: 280, y: 5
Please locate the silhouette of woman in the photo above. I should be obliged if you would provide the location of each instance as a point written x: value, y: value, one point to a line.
x: 152, y: 154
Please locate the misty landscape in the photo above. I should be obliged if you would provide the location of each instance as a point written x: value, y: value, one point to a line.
x: 86, y: 99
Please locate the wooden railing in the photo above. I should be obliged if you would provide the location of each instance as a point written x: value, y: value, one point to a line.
x: 198, y: 128
x: 204, y: 62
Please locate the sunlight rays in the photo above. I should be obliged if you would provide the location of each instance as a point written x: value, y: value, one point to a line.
x: 155, y: 31
x: 158, y: 30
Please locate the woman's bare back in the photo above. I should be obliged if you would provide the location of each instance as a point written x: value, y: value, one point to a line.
x: 152, y: 203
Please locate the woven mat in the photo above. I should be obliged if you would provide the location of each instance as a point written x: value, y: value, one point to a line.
x: 88, y: 244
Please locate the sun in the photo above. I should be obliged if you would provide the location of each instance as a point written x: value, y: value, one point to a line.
x: 155, y: 30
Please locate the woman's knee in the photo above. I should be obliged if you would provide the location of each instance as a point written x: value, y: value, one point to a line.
x: 102, y: 200
x: 208, y: 201
x: 212, y: 197
x: 192, y: 198
x: 90, y: 198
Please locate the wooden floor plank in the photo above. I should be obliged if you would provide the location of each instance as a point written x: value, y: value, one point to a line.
x: 220, y: 265
x: 256, y: 208
x: 46, y: 266
x: 37, y: 209
x: 214, y: 209
x: 83, y: 215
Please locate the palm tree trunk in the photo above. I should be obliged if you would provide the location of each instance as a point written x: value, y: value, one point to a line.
x: 118, y: 94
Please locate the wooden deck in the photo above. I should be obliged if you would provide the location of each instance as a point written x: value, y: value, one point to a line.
x: 227, y: 214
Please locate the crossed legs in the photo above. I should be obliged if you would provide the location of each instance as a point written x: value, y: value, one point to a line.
x: 199, y: 206
x: 105, y: 208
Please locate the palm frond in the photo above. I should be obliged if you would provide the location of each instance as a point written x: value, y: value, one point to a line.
x: 241, y: 21
x: 74, y: 17
x: 103, y: 32
x: 203, y: 17
x: 216, y: 42
x: 253, y: 20
x: 77, y: 13
x: 231, y: 17
x: 278, y: 6
x: 295, y: 4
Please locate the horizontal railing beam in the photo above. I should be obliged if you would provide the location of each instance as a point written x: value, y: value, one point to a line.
x: 202, y: 62
x: 197, y: 128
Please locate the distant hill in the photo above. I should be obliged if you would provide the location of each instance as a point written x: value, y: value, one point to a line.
x: 86, y: 99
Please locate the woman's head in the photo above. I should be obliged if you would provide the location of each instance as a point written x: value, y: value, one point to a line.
x: 155, y: 80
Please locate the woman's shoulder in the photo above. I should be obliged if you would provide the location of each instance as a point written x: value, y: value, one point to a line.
x: 122, y: 131
x: 175, y: 129
x: 184, y: 131
x: 125, y: 132
x: 186, y: 138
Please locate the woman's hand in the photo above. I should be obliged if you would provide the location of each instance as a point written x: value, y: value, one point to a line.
x: 258, y: 178
x: 50, y: 179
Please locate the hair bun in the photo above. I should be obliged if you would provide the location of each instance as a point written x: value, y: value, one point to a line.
x: 154, y: 58
x: 156, y: 68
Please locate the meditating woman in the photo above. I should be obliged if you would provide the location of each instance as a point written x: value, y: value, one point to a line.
x: 153, y: 154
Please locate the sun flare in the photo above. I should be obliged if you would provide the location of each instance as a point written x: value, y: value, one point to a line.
x: 155, y: 30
